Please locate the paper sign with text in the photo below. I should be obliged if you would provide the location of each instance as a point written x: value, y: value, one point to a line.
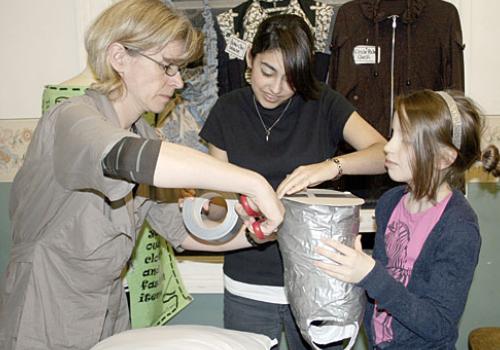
x: 155, y: 285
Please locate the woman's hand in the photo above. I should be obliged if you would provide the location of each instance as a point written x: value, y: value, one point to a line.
x: 307, y: 176
x: 272, y: 211
x: 347, y: 264
x: 185, y: 193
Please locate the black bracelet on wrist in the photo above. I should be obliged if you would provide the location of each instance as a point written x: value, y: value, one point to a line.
x: 250, y: 239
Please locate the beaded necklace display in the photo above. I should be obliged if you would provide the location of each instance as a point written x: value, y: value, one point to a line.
x: 268, y: 129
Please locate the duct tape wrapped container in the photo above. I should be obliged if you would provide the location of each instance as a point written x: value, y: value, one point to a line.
x: 326, y: 310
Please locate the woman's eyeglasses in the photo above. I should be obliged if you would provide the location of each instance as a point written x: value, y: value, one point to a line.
x: 169, y: 69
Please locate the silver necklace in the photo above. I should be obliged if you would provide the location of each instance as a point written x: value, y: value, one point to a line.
x: 268, y: 129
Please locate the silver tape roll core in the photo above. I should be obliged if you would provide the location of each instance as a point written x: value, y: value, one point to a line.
x: 205, y: 229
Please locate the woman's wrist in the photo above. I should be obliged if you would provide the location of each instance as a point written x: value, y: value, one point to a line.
x: 250, y: 239
x: 338, y: 165
x: 258, y: 187
x: 255, y: 241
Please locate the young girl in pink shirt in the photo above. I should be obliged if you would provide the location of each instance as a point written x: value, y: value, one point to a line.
x: 427, y: 242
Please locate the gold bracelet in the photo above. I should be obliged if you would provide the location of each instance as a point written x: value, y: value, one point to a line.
x: 336, y: 161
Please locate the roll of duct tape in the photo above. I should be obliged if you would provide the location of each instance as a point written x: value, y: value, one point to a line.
x: 205, y: 229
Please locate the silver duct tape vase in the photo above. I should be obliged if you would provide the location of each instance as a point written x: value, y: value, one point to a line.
x: 325, y: 309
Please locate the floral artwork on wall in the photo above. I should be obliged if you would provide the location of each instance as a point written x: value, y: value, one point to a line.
x: 15, y: 136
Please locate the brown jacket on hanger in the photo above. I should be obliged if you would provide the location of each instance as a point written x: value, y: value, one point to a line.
x: 428, y: 53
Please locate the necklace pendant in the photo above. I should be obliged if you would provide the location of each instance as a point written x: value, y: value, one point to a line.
x: 268, y: 129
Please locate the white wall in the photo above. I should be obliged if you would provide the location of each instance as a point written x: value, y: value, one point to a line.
x: 42, y: 43
x: 38, y: 46
x: 482, y: 70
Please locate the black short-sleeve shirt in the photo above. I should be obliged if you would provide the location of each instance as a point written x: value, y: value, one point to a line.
x: 308, y: 133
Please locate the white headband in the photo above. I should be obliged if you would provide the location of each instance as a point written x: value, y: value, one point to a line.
x: 456, y: 136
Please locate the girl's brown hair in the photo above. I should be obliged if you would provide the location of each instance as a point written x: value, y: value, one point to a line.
x: 427, y: 127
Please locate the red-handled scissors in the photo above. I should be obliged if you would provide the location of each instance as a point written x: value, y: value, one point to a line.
x: 256, y: 214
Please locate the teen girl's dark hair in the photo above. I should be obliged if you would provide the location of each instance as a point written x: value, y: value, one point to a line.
x: 291, y: 35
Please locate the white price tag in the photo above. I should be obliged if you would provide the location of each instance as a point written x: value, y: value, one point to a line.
x: 365, y: 54
x: 236, y: 47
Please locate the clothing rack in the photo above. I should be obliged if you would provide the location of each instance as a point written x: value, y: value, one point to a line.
x: 215, y: 4
x: 198, y: 4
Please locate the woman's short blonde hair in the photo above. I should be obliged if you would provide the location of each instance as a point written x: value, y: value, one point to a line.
x: 141, y: 24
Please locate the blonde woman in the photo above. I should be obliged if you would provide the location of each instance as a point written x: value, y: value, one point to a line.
x: 74, y: 206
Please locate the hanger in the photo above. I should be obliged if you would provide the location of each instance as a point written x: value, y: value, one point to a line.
x: 274, y: 4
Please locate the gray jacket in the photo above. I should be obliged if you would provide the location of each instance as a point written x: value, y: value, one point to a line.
x: 73, y: 230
